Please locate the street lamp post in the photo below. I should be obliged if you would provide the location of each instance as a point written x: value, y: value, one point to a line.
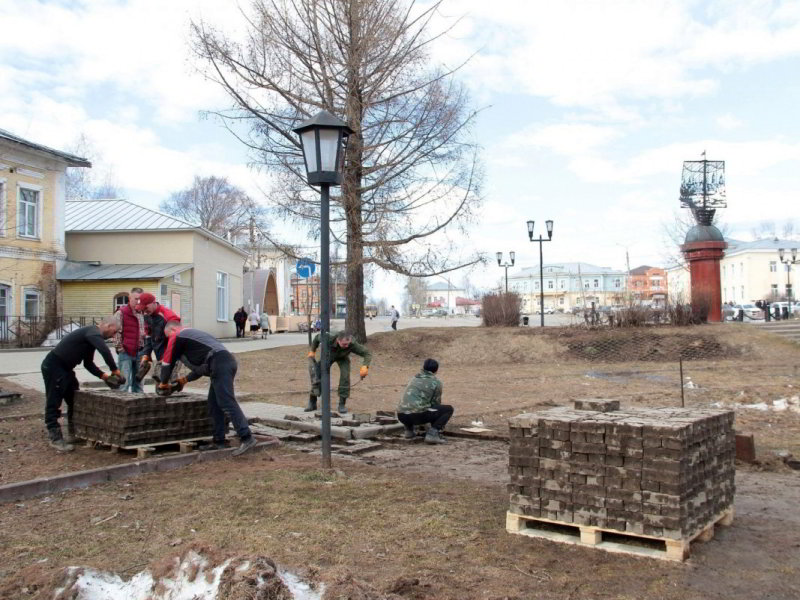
x: 789, y: 262
x: 500, y: 263
x: 323, y: 139
x: 549, y: 225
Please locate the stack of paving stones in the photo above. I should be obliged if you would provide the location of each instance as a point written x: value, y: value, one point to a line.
x: 123, y: 419
x: 666, y: 473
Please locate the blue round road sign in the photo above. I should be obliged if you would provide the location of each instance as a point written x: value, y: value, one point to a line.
x: 305, y: 268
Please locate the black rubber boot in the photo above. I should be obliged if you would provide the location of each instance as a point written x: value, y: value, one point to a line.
x: 342, y: 409
x: 57, y: 441
x: 312, y: 403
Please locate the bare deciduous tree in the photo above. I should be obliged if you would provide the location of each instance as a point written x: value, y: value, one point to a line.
x: 219, y: 206
x: 85, y: 184
x: 415, y: 293
x: 412, y: 173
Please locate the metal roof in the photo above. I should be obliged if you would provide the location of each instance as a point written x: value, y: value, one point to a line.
x: 770, y: 244
x: 565, y: 268
x: 83, y: 271
x: 441, y: 287
x: 72, y: 160
x: 118, y: 215
x: 123, y: 215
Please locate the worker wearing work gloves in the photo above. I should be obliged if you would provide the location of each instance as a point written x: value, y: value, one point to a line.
x: 60, y: 383
x: 204, y: 355
x: 341, y: 344
x: 422, y: 403
x: 156, y: 318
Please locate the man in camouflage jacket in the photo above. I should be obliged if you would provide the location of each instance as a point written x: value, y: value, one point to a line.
x: 341, y: 344
x: 422, y: 403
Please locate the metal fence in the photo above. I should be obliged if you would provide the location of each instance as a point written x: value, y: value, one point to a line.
x: 28, y: 332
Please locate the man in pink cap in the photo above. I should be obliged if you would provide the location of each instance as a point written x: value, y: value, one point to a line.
x: 156, y: 318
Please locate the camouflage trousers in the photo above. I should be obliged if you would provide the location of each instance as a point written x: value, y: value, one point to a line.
x: 315, y: 372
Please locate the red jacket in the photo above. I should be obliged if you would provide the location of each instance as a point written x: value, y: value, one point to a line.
x: 156, y: 340
x: 131, y: 330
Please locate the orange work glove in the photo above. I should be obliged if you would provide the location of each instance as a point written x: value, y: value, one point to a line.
x: 311, y: 354
x: 363, y: 372
x: 145, y: 359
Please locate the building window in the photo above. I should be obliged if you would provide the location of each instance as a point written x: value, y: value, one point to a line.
x: 617, y: 283
x: 120, y: 300
x: 773, y: 266
x: 176, y: 278
x: 549, y: 285
x: 774, y: 290
x: 742, y: 294
x: 28, y: 213
x: 30, y: 300
x: 561, y: 285
x: 596, y: 283
x: 586, y: 285
x: 222, y: 296
x: 5, y: 302
x: 537, y: 285
x: 561, y: 300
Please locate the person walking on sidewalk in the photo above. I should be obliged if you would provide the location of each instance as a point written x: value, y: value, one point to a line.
x: 60, y: 383
x: 422, y: 403
x: 129, y: 340
x: 395, y: 317
x: 264, y: 324
x: 341, y: 344
x: 240, y: 318
x: 205, y: 355
x: 255, y: 323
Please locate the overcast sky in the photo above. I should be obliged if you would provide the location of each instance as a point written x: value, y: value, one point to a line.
x: 589, y: 109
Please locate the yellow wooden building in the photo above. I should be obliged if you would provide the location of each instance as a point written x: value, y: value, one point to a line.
x: 32, y: 215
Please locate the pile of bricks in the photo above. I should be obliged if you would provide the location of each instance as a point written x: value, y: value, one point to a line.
x: 123, y: 419
x: 665, y: 473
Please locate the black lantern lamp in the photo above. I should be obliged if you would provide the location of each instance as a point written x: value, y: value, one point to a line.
x: 500, y: 263
x: 549, y: 226
x: 323, y: 138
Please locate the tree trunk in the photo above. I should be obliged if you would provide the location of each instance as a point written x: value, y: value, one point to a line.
x: 351, y: 199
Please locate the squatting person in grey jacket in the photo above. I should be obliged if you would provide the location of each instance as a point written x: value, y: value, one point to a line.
x: 422, y: 403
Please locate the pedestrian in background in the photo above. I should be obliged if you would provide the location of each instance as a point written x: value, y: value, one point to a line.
x: 395, y: 317
x: 255, y: 322
x: 240, y: 319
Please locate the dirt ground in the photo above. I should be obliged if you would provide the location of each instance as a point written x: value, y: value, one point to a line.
x: 422, y: 522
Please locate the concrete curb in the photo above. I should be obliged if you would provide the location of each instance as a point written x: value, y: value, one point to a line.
x: 24, y: 490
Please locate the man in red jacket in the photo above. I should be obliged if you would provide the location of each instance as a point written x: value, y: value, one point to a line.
x: 156, y: 318
x: 129, y: 340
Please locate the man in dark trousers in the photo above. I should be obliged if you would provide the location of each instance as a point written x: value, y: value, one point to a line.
x: 422, y: 403
x: 155, y: 319
x: 341, y: 344
x: 395, y: 317
x: 204, y: 355
x: 60, y: 383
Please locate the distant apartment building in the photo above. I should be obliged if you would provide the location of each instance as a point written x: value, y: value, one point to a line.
x: 750, y: 271
x: 753, y: 271
x: 444, y: 295
x: 648, y: 285
x: 568, y: 285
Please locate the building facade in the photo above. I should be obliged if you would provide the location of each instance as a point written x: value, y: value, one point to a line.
x: 114, y: 244
x: 648, y: 285
x: 32, y: 201
x: 752, y: 271
x: 568, y: 285
x: 443, y: 295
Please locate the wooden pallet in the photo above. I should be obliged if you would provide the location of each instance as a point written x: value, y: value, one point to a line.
x: 612, y: 540
x: 147, y: 450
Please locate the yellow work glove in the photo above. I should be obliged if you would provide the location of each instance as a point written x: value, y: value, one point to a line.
x: 363, y: 372
x: 311, y: 354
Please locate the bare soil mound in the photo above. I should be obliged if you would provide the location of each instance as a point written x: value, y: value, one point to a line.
x: 483, y: 345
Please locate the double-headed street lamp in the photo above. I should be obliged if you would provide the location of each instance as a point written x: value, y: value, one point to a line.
x: 323, y: 139
x: 549, y: 225
x: 789, y: 262
x: 500, y: 263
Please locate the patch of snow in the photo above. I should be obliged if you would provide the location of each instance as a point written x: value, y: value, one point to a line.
x: 477, y: 423
x: 757, y: 406
x: 91, y: 584
x: 780, y: 404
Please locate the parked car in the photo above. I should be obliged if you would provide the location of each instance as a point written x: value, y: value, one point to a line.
x: 751, y: 311
x: 794, y: 310
x: 728, y: 313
